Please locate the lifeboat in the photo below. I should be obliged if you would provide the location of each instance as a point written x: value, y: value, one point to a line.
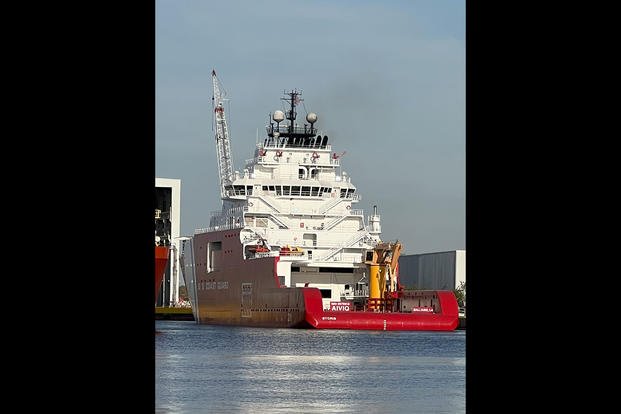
x: 291, y: 251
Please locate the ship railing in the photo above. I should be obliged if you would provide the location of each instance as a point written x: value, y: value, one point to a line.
x: 336, y: 221
x: 291, y: 253
x: 285, y: 129
x: 328, y: 205
x: 259, y: 255
x: 314, y: 211
x: 265, y: 159
x: 281, y: 224
x: 224, y: 220
x: 228, y: 226
x: 282, y: 144
x: 252, y: 161
x: 345, y: 245
x: 294, y: 242
x: 286, y: 191
x: 355, y: 294
x: 231, y: 212
x: 271, y: 204
x: 293, y: 177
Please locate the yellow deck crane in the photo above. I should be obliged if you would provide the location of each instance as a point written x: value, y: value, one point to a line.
x: 382, y: 263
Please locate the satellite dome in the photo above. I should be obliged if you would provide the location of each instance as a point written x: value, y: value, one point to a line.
x: 311, y: 117
x: 278, y: 116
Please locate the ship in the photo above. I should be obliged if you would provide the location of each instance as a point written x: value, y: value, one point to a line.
x: 162, y: 248
x: 288, y: 249
x: 161, y: 260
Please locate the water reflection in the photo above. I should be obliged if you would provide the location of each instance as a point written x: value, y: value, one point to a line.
x: 225, y: 369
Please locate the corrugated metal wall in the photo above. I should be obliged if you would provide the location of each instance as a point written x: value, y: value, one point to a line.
x: 431, y: 270
x: 460, y: 267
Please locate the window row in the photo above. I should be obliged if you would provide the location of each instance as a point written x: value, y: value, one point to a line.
x: 290, y: 190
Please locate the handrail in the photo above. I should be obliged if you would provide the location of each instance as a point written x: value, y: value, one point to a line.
x: 348, y: 243
x: 332, y: 203
x: 264, y: 199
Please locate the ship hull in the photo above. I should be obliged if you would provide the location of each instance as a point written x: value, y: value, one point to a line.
x: 161, y: 260
x: 446, y: 319
x: 229, y: 290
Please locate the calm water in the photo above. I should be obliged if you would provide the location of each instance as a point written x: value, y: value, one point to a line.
x: 210, y: 369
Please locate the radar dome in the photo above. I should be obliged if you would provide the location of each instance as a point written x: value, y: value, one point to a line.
x: 278, y: 116
x: 311, y: 117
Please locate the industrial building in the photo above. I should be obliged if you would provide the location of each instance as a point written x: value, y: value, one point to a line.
x: 167, y: 228
x: 437, y: 271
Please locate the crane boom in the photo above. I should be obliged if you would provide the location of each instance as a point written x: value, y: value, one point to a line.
x: 387, y: 255
x: 223, y: 146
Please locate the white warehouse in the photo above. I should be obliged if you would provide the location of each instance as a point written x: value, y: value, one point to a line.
x: 167, y: 227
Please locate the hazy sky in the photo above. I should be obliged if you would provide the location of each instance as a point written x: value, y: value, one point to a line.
x: 386, y: 79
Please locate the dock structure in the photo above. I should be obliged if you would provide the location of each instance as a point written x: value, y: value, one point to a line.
x: 173, y: 314
x: 168, y: 225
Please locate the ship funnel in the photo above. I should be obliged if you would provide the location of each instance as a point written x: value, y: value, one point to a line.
x: 374, y: 222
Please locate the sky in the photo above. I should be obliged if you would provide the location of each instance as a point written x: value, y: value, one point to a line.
x: 386, y: 80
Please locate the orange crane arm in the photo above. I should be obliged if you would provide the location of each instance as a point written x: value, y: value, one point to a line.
x: 396, y: 252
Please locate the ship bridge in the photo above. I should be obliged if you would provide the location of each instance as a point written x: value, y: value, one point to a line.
x: 293, y: 196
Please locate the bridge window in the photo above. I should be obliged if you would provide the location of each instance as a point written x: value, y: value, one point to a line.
x: 315, y: 191
x: 326, y: 293
x: 286, y: 190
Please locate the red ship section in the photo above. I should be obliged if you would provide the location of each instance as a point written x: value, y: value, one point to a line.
x: 439, y: 312
x: 229, y: 290
x: 161, y: 260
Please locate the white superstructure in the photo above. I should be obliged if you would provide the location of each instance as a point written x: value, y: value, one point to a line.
x: 292, y: 200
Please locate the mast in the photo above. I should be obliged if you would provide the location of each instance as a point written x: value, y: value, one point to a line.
x: 291, y: 114
x: 223, y: 146
x: 291, y: 132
